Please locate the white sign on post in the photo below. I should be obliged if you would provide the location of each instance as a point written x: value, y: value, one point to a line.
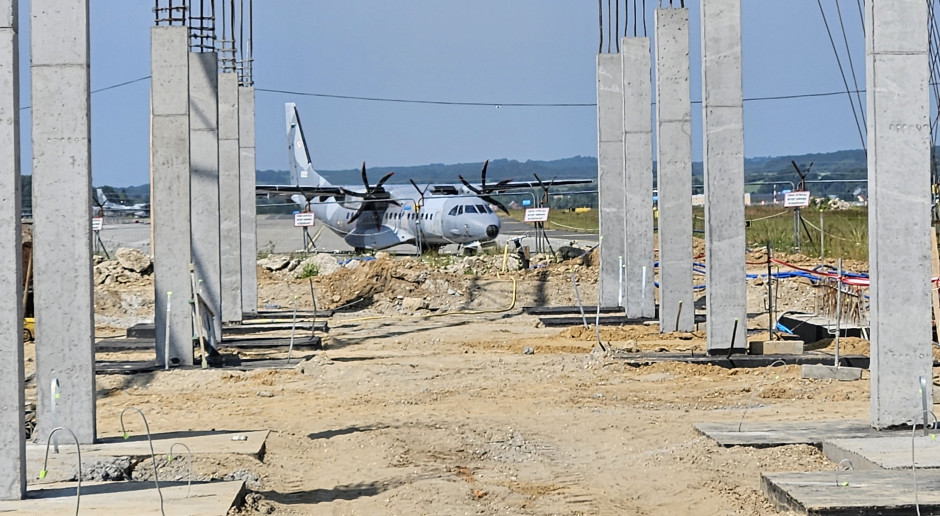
x: 303, y: 219
x: 536, y: 214
x: 796, y: 199
x: 97, y: 223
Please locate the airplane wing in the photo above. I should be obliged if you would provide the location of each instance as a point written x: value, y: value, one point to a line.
x: 513, y: 185
x: 309, y: 191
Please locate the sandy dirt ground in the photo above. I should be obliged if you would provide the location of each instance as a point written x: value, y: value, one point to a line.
x: 436, y: 394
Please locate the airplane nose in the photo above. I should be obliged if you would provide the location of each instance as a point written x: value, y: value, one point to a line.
x: 492, y: 231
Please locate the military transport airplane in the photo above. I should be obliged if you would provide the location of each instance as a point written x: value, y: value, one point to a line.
x: 384, y: 215
x: 106, y: 207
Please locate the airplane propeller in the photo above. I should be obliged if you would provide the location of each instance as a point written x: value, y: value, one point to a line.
x: 421, y: 192
x: 544, y: 188
x: 375, y: 199
x: 484, y: 191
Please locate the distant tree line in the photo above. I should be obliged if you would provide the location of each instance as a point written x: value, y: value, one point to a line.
x: 843, y: 172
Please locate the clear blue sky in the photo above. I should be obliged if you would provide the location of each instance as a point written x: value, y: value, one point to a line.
x: 490, y: 51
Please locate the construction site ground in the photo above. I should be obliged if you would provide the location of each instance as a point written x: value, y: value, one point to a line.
x: 435, y: 393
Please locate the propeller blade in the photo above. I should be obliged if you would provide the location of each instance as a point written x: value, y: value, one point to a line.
x: 365, y: 178
x: 412, y: 181
x: 499, y: 186
x: 483, y: 174
x: 383, y: 180
x: 496, y: 203
x: 350, y: 192
x: 355, y: 216
x: 468, y: 185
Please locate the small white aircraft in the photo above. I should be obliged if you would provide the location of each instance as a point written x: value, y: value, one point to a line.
x: 385, y: 215
x: 106, y: 207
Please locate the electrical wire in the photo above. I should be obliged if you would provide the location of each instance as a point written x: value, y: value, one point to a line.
x: 848, y: 54
x: 845, y: 81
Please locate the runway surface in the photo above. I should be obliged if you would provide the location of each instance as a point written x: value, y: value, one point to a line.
x: 277, y: 234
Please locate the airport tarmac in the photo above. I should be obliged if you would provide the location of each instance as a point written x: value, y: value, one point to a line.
x: 277, y: 234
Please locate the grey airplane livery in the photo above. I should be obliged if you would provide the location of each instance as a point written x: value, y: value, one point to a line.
x: 384, y: 215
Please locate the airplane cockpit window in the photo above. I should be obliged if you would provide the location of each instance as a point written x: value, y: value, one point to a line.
x: 459, y: 210
x: 453, y: 211
x: 482, y: 209
x: 469, y: 209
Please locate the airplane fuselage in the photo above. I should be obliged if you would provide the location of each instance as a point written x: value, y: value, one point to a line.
x: 435, y: 221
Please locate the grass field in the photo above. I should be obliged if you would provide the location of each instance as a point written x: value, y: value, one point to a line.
x: 844, y: 232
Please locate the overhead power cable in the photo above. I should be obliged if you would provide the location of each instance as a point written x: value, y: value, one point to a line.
x: 106, y: 88
x: 524, y: 104
x: 848, y: 91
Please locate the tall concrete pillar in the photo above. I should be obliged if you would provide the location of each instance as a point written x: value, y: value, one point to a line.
x: 610, y: 175
x: 246, y: 143
x: 229, y: 193
x: 12, y: 435
x: 899, y: 208
x: 674, y: 170
x: 638, y: 298
x: 204, y: 178
x: 170, y: 184
x: 63, y: 294
x: 723, y: 121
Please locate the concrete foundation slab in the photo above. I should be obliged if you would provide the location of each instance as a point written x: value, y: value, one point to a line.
x: 200, y: 499
x: 570, y: 310
x: 148, y: 331
x: 776, y: 433
x: 886, y: 452
x: 854, y: 493
x: 734, y: 361
x: 61, y: 466
x: 829, y: 372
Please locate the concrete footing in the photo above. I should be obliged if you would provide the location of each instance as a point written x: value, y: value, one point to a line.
x: 828, y: 372
x: 854, y: 493
x: 775, y: 347
x: 139, y: 498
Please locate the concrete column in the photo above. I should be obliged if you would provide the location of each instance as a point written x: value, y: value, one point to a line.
x: 638, y: 299
x: 204, y: 178
x: 610, y: 175
x: 63, y: 294
x: 246, y: 144
x: 723, y: 121
x: 674, y: 170
x: 12, y: 435
x: 229, y: 192
x: 899, y: 208
x: 170, y: 200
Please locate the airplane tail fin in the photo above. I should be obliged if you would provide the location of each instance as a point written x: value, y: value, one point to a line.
x: 101, y: 197
x: 301, y: 169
